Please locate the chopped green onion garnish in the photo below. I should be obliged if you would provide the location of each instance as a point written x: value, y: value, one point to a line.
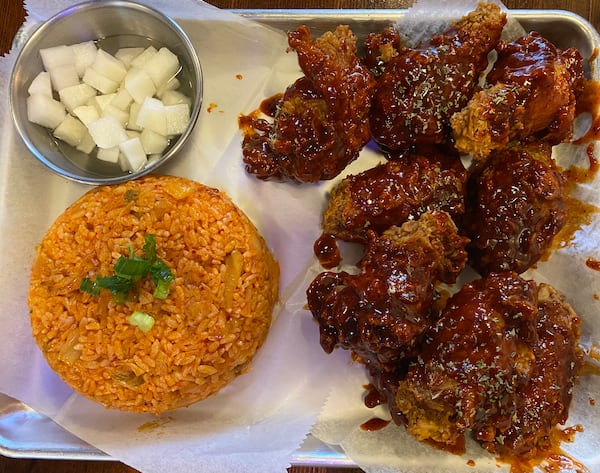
x: 141, y: 320
x: 128, y: 271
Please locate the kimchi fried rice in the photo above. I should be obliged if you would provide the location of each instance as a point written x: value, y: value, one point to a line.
x: 205, y: 332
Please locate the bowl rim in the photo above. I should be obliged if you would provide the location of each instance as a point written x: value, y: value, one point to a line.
x: 197, y: 78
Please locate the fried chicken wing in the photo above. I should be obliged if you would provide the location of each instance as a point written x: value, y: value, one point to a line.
x: 532, y: 92
x: 422, y: 88
x: 321, y: 121
x: 500, y: 362
x: 380, y: 48
x: 394, y: 192
x: 516, y: 204
x: 382, y: 312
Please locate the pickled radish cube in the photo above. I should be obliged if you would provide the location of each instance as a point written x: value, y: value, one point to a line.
x: 126, y: 55
x: 87, y: 144
x: 45, y: 111
x: 41, y: 84
x: 133, y: 133
x: 101, y: 101
x: 107, y: 132
x: 141, y: 59
x: 153, y: 158
x: 162, y: 66
x: 134, y: 157
x: 172, y: 84
x: 63, y: 76
x: 133, y: 114
x: 139, y: 84
x: 178, y: 116
x: 70, y: 130
x: 85, y: 54
x: 99, y: 81
x: 109, y: 66
x: 120, y: 115
x: 76, y: 95
x: 122, y: 99
x: 173, y: 97
x: 153, y: 142
x: 152, y: 115
x: 57, y: 56
x: 110, y: 155
x: 86, y: 113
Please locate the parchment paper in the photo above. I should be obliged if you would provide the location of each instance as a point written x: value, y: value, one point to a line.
x: 257, y: 422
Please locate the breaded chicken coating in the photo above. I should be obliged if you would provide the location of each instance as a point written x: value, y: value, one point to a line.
x: 320, y: 123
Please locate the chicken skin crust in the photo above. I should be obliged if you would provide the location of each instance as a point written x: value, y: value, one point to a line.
x: 516, y: 204
x: 500, y: 362
x: 422, y: 88
x: 532, y: 91
x: 320, y: 123
x: 381, y: 313
x: 394, y: 192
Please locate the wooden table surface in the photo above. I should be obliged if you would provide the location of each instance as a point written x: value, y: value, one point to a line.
x: 11, y: 18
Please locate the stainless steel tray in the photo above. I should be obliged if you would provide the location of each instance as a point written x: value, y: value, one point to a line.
x: 26, y: 434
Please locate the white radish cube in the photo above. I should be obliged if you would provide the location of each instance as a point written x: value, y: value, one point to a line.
x: 122, y: 99
x: 126, y: 55
x: 133, y: 114
x: 99, y: 82
x: 86, y: 113
x: 153, y: 158
x: 45, y: 111
x: 141, y: 59
x: 172, y: 84
x: 57, y: 56
x: 107, y: 132
x: 101, y: 101
x: 85, y: 54
x: 70, y: 130
x: 162, y: 66
x: 62, y: 76
x: 109, y: 66
x: 139, y: 84
x: 76, y: 95
x: 152, y: 142
x: 152, y: 115
x: 133, y: 154
x: 87, y: 144
x: 110, y: 155
x: 120, y: 115
x: 178, y: 116
x: 41, y: 84
x: 173, y: 97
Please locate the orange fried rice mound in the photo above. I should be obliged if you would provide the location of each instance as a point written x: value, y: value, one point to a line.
x: 207, y: 330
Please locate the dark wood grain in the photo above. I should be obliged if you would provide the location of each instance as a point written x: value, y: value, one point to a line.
x: 12, y: 16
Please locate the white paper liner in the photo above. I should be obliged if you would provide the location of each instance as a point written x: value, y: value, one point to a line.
x: 257, y: 422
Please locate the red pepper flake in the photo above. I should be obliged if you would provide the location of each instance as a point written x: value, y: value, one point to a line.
x: 239, y: 76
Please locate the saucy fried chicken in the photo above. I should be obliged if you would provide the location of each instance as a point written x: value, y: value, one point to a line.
x: 516, y: 204
x: 499, y: 362
x: 532, y: 91
x: 422, y: 88
x: 320, y: 123
x: 382, y: 312
x: 394, y: 192
x: 380, y: 48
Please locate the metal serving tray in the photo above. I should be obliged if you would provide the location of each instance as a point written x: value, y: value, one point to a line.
x: 26, y: 434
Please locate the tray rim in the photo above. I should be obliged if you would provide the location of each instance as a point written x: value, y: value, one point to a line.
x: 333, y: 456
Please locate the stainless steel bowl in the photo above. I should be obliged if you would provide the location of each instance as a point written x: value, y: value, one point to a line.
x: 111, y: 24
